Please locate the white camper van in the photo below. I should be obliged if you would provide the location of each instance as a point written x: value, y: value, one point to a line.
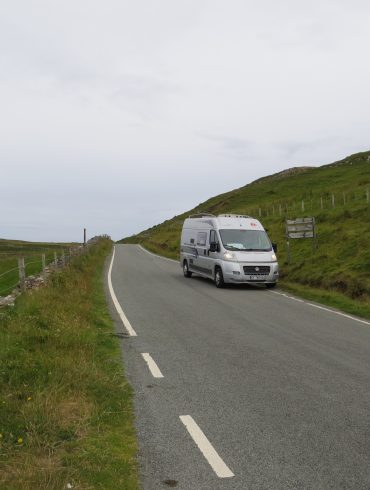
x: 228, y: 248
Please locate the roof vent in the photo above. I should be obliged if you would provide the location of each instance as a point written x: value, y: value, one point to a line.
x: 202, y: 215
x: 233, y: 216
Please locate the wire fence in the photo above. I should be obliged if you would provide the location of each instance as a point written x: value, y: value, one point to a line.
x: 317, y: 203
x: 19, y: 277
x: 7, y: 272
x: 9, y: 288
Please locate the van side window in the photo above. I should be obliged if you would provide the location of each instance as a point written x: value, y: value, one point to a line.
x: 213, y: 237
x: 202, y: 238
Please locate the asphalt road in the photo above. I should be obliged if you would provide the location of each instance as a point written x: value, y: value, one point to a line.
x: 280, y: 388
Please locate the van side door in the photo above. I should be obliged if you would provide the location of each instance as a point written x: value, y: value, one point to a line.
x: 213, y: 239
x: 214, y: 248
x: 202, y: 263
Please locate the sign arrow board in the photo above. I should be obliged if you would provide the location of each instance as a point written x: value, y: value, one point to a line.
x: 305, y: 227
x: 300, y: 228
x: 302, y: 234
x: 300, y: 221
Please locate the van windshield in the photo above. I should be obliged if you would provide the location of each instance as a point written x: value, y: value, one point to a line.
x: 246, y: 240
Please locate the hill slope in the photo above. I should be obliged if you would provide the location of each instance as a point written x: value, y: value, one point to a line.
x: 336, y: 194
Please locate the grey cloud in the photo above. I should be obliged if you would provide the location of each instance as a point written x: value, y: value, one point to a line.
x: 238, y: 148
x: 293, y: 149
x: 143, y: 96
x: 143, y: 88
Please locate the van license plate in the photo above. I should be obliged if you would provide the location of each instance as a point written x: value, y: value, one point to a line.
x: 256, y: 278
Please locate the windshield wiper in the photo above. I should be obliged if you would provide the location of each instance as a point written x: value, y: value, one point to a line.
x: 256, y: 249
x: 233, y: 248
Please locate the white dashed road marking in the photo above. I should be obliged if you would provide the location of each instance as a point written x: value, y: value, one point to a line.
x: 154, y: 369
x: 218, y: 466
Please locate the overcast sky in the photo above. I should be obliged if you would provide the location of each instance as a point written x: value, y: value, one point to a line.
x: 116, y: 115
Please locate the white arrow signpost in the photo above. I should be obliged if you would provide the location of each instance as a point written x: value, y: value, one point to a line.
x: 300, y: 228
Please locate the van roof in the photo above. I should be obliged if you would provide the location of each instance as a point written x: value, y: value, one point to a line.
x: 210, y: 215
x: 229, y: 221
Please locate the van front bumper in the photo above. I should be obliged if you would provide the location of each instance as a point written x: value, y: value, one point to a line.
x: 261, y: 273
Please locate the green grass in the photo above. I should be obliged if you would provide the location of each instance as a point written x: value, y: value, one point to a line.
x: 341, y: 266
x: 10, y: 250
x: 65, y: 407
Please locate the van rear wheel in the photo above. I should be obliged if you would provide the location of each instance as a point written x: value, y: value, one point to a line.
x: 185, y: 269
x: 219, y: 278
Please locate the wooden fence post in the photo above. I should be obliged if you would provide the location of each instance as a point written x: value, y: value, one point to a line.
x: 22, y: 273
x: 321, y: 203
x: 43, y: 261
x: 302, y: 205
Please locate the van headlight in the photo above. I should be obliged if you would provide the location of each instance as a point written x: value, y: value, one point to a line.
x: 273, y: 257
x: 229, y: 256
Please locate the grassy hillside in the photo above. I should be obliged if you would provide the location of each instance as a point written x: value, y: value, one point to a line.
x: 10, y: 250
x: 66, y: 417
x: 339, y: 272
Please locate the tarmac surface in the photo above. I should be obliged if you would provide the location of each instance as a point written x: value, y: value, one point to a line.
x: 278, y: 389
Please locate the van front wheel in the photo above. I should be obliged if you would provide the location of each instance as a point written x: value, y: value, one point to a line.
x: 271, y: 285
x: 219, y: 278
x: 185, y: 269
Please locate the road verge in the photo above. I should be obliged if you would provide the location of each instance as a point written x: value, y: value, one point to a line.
x: 66, y: 417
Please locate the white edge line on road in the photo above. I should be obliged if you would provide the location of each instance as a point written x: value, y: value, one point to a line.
x: 123, y: 317
x: 152, y: 365
x: 218, y: 466
x: 322, y: 308
x: 158, y: 256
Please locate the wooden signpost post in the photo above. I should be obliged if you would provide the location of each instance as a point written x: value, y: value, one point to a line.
x: 300, y: 228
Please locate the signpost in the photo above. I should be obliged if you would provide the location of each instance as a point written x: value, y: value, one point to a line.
x: 300, y: 228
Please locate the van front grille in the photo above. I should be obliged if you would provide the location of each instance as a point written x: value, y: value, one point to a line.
x: 256, y: 270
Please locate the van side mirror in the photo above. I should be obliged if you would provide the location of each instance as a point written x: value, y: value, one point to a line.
x: 274, y: 247
x: 213, y: 247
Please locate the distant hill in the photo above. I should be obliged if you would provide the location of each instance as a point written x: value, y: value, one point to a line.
x: 283, y: 173
x: 336, y: 194
x: 21, y: 246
